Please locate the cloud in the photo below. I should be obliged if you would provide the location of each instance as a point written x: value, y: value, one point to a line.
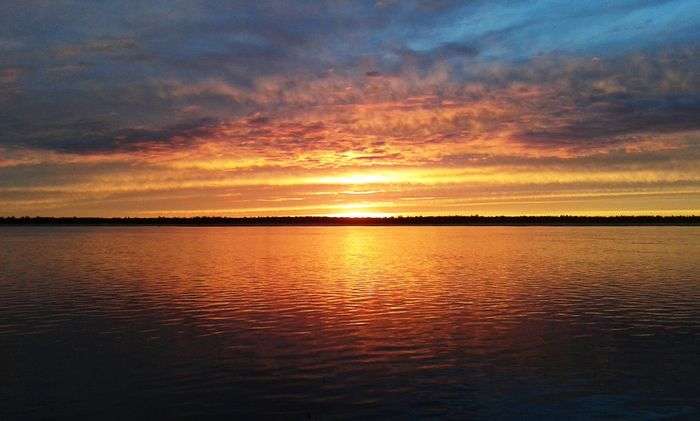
x: 546, y: 106
x: 105, y: 46
x: 179, y: 95
x: 613, y: 119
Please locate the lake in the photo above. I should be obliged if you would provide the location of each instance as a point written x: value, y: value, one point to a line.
x: 350, y: 322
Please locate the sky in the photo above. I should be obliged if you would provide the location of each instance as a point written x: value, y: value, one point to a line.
x: 355, y: 108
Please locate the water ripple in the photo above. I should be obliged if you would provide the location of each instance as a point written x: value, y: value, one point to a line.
x: 357, y: 322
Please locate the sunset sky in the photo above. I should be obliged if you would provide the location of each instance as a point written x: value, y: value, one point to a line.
x: 184, y: 107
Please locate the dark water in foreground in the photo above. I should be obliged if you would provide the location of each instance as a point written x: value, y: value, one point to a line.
x: 350, y: 322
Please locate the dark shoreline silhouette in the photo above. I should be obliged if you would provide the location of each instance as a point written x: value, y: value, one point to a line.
x: 475, y: 220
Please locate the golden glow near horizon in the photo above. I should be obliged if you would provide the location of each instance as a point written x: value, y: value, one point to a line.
x: 202, y: 180
x: 178, y: 184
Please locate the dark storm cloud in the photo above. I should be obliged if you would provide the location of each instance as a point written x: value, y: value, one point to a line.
x: 93, y: 136
x: 606, y: 120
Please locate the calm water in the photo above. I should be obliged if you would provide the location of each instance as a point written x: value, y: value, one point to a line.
x: 350, y: 322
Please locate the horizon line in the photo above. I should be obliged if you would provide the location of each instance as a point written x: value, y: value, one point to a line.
x: 310, y: 220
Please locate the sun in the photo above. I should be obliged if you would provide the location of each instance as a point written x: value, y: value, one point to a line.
x: 359, y: 210
x: 361, y: 214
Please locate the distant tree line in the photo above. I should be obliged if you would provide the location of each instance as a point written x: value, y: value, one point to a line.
x: 353, y: 221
